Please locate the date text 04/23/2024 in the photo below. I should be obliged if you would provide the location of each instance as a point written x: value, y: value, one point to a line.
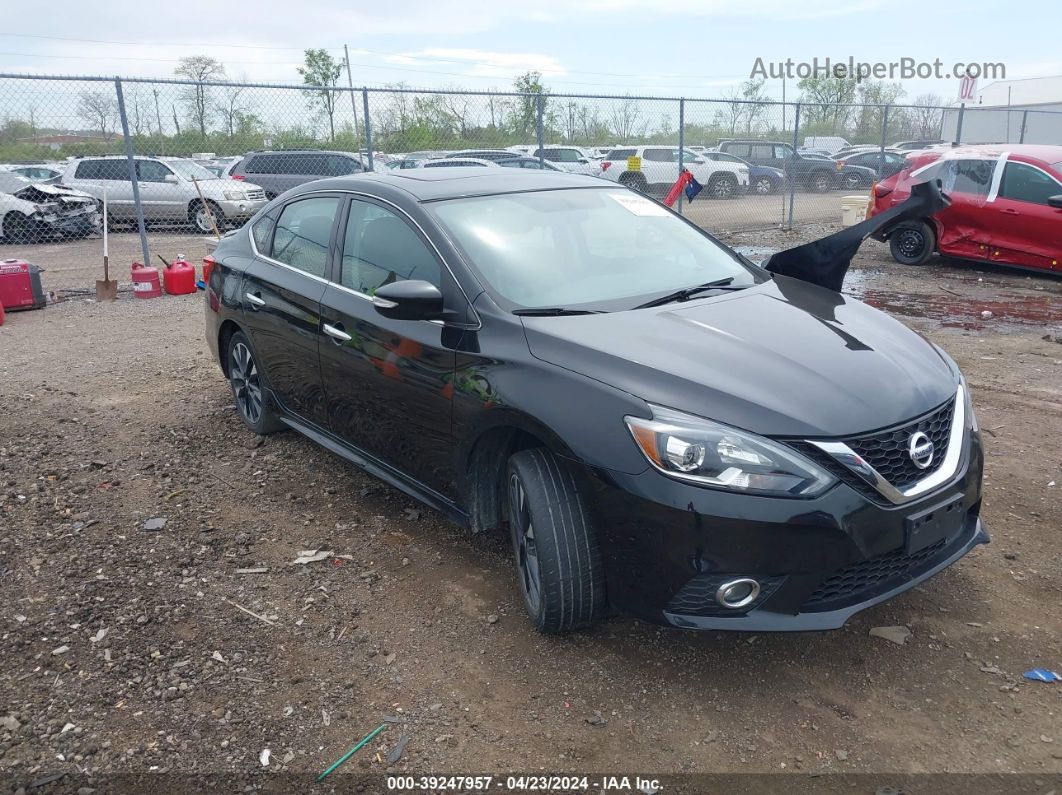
x: 532, y: 783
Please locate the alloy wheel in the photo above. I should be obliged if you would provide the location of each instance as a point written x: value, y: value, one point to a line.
x: 852, y: 181
x: 526, y: 548
x: 763, y: 186
x: 202, y: 219
x: 245, y: 384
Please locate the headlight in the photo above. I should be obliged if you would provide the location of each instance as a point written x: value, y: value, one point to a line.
x: 708, y: 453
x: 235, y: 195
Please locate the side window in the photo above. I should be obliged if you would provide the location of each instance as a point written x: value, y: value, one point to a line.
x: 380, y: 248
x: 262, y: 232
x: 259, y: 164
x: 338, y: 165
x: 116, y: 169
x: 566, y: 156
x: 151, y: 171
x: 620, y: 154
x: 87, y: 169
x: 1024, y: 183
x: 969, y: 176
x: 763, y: 152
x: 658, y: 155
x: 303, y: 232
x: 783, y: 152
x: 739, y: 150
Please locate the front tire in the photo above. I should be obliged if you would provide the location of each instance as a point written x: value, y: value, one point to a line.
x: 722, y: 186
x: 200, y: 218
x: 853, y: 181
x: 763, y: 186
x: 634, y: 182
x: 821, y: 181
x: 912, y: 243
x: 248, y: 388
x: 557, y: 557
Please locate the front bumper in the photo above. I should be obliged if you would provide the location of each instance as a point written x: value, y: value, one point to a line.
x: 242, y: 209
x: 668, y: 545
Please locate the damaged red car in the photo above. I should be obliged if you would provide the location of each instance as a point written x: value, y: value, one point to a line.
x: 1006, y: 206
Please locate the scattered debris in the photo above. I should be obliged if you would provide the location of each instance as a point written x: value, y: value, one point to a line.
x: 10, y: 723
x: 155, y: 524
x: 986, y: 315
x: 217, y: 656
x: 841, y: 754
x: 492, y: 619
x: 353, y: 750
x: 100, y: 635
x: 897, y: 635
x: 595, y: 719
x: 396, y: 753
x: 257, y: 570
x: 251, y: 612
x: 60, y: 650
x: 992, y: 669
x: 1042, y: 675
x: 312, y: 556
x: 264, y: 757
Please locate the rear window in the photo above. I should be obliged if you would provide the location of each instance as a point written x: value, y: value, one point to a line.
x: 620, y: 154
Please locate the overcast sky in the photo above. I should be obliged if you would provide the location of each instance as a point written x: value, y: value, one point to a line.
x: 668, y: 47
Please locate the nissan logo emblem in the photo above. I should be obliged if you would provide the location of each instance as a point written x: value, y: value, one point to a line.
x: 920, y: 448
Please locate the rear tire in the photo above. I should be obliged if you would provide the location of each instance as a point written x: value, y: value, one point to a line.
x: 763, y: 186
x: 253, y: 402
x: 820, y: 181
x: 634, y: 182
x: 912, y: 243
x: 853, y: 181
x: 558, y: 560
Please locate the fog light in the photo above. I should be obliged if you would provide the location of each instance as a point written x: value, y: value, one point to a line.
x: 738, y: 593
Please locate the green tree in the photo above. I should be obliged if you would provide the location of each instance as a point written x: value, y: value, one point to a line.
x: 201, y: 69
x: 321, y: 69
x: 526, y: 110
x: 825, y: 98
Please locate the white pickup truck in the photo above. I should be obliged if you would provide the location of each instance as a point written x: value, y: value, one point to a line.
x: 657, y: 170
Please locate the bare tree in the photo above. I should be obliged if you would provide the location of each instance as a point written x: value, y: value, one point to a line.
x: 233, y: 106
x: 457, y: 105
x: 927, y: 116
x: 136, y: 109
x: 201, y: 69
x: 99, y: 110
x: 626, y: 119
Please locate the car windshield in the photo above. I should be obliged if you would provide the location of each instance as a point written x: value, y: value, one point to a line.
x: 605, y: 249
x: 188, y: 169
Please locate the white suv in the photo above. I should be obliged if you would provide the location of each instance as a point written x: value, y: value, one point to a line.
x: 572, y: 159
x: 659, y: 170
x: 167, y: 192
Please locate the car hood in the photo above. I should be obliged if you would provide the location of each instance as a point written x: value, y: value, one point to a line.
x: 785, y: 358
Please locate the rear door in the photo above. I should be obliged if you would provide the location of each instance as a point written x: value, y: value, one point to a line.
x: 963, y: 231
x: 1029, y: 230
x: 108, y: 176
x: 388, y: 383
x: 659, y: 166
x: 161, y: 200
x: 281, y: 299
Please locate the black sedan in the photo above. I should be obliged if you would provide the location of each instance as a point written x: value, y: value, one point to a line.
x: 662, y: 427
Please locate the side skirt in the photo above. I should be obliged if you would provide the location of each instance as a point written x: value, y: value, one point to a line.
x: 384, y: 472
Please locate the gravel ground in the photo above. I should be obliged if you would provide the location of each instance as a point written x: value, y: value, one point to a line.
x: 154, y: 617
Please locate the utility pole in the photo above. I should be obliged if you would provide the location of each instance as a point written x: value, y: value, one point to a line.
x: 350, y: 84
x: 158, y: 116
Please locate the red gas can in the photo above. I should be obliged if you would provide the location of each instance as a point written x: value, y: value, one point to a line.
x: 20, y: 285
x: 208, y: 265
x: 179, y: 277
x: 145, y: 281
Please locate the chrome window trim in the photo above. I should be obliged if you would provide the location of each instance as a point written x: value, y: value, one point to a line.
x: 399, y: 211
x: 848, y: 458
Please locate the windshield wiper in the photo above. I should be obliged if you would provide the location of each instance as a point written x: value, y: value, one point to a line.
x: 686, y: 293
x: 554, y: 311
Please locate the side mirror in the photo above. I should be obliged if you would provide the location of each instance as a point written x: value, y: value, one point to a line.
x: 584, y: 161
x: 412, y: 299
x: 1055, y: 201
x: 171, y: 179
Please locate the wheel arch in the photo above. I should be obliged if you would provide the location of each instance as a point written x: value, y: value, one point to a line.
x: 482, y: 455
x: 227, y: 328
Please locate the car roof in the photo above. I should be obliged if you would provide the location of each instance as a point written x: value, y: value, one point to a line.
x: 1045, y: 152
x: 432, y: 184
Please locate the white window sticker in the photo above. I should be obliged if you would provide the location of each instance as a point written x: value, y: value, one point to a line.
x: 638, y: 205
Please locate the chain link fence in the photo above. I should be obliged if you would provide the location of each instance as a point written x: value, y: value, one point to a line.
x: 171, y: 163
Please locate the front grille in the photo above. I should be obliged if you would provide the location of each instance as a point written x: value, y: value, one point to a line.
x: 255, y: 194
x: 697, y: 597
x: 851, y: 583
x: 888, y: 452
x: 838, y: 470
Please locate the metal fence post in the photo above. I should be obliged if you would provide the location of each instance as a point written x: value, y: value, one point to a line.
x: 884, y: 133
x: 792, y: 182
x: 681, y: 142
x: 368, y: 125
x: 958, y: 126
x: 1024, y: 121
x: 540, y: 107
x: 132, y: 172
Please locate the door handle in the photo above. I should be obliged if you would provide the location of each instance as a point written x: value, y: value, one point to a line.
x: 1010, y: 211
x: 336, y: 332
x: 254, y: 300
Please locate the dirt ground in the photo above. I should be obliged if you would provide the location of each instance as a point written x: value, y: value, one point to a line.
x: 196, y: 647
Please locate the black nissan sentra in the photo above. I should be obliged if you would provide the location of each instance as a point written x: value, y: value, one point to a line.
x: 664, y: 428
